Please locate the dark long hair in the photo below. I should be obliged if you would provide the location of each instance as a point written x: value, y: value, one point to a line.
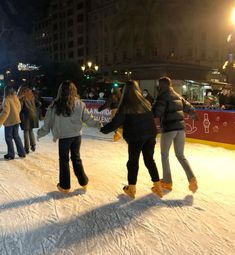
x: 132, y: 100
x: 65, y: 101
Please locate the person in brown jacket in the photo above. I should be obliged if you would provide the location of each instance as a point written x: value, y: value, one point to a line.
x: 28, y: 116
x: 10, y: 118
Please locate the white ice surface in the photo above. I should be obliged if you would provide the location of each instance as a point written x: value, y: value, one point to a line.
x: 36, y: 219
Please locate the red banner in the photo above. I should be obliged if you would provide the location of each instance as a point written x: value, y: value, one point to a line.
x: 213, y: 125
x: 93, y: 105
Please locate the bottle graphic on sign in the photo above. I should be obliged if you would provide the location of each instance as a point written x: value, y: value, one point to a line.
x: 206, y: 123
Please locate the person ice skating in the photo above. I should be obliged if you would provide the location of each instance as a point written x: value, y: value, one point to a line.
x: 112, y: 104
x: 64, y: 118
x: 10, y: 118
x: 170, y: 108
x: 139, y: 130
x: 28, y: 116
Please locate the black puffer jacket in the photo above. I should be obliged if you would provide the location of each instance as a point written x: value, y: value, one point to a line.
x: 135, y: 126
x: 169, y: 108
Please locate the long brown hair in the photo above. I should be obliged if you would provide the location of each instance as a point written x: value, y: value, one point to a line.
x: 132, y: 100
x: 65, y: 101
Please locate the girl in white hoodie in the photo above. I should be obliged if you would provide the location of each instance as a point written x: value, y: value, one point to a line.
x: 64, y: 118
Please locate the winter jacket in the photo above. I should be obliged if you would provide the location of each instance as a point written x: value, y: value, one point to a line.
x: 70, y: 126
x: 28, y: 114
x: 135, y: 126
x: 10, y: 114
x: 170, y: 108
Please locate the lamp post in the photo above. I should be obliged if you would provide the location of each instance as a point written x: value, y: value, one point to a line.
x: 229, y: 65
x: 89, y: 69
x: 128, y: 73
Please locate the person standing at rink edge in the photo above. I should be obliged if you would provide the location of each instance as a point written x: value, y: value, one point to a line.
x: 139, y: 130
x: 64, y: 118
x: 170, y: 108
x: 10, y: 118
x: 28, y: 116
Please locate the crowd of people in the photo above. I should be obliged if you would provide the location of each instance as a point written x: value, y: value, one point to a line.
x: 134, y: 115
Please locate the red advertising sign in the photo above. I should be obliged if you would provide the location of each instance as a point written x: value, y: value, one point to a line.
x: 93, y: 105
x: 213, y: 125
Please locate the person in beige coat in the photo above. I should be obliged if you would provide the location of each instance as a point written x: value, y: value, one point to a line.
x: 10, y: 118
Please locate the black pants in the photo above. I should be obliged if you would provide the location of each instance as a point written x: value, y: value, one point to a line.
x: 71, y: 145
x: 134, y: 149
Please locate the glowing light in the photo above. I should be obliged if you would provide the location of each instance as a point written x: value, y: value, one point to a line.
x: 229, y: 38
x: 27, y: 67
x: 233, y: 16
x: 225, y: 64
x: 89, y: 64
x: 83, y: 68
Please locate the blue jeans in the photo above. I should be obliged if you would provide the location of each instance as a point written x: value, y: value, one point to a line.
x: 12, y: 133
x: 178, y: 138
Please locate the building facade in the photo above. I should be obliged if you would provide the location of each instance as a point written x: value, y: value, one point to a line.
x: 63, y: 33
x: 184, y: 39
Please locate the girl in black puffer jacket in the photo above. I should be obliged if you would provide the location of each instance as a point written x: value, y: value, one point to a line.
x: 139, y: 130
x: 170, y: 108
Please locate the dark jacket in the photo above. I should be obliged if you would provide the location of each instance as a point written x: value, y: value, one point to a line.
x: 227, y: 101
x: 170, y: 108
x: 28, y: 114
x: 135, y: 126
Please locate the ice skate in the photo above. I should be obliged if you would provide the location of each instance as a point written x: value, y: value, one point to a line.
x: 61, y: 189
x: 157, y: 188
x: 166, y: 185
x: 193, y: 185
x: 117, y: 136
x: 130, y: 190
x: 85, y: 187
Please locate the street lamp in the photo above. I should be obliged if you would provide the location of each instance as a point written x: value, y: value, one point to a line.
x: 229, y: 64
x: 89, y: 69
x: 128, y: 73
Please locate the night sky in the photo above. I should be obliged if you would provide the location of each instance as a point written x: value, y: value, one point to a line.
x: 22, y: 12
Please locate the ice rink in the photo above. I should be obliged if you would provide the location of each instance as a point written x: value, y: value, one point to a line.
x: 36, y: 219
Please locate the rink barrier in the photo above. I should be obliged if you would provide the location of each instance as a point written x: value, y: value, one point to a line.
x: 214, y: 127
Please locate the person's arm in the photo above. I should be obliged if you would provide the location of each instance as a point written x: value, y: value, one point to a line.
x: 115, y: 123
x: 45, y: 129
x: 5, y: 112
x: 189, y: 109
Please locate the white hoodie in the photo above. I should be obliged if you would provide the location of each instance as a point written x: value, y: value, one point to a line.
x: 65, y: 127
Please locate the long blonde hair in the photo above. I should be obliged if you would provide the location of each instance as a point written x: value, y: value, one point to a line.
x: 132, y: 100
x: 25, y: 93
